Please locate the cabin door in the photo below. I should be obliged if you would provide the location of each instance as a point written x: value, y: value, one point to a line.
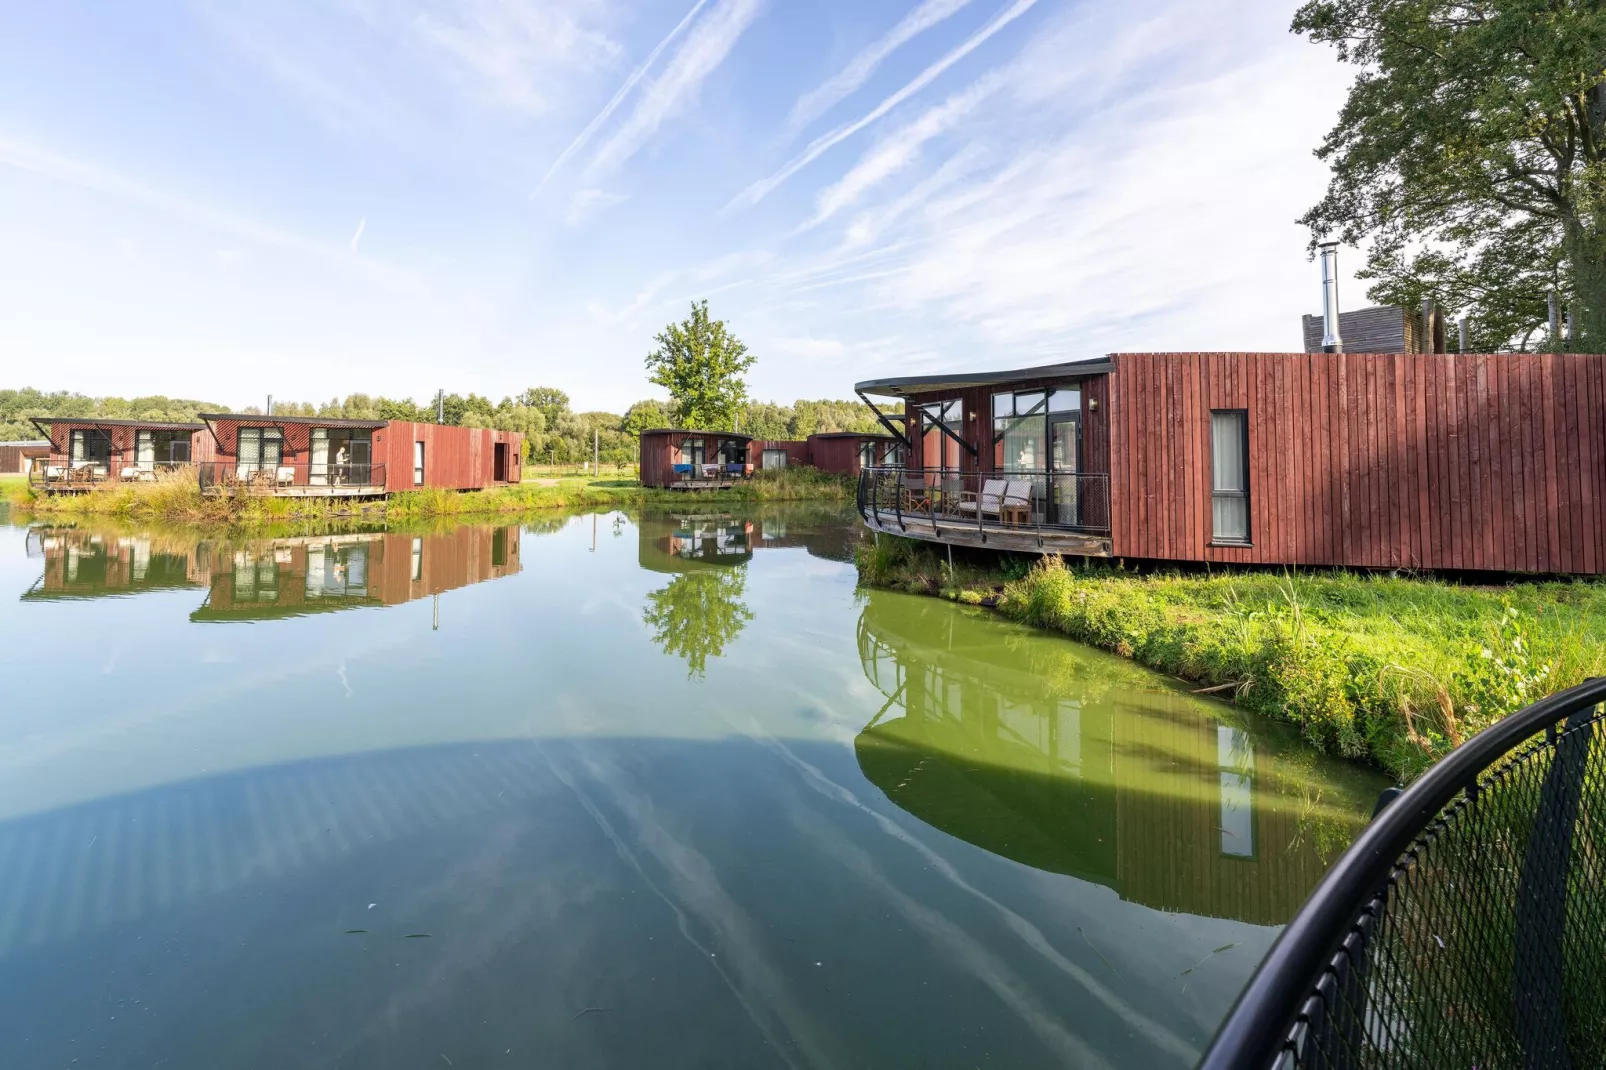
x: 1065, y: 461
x: 499, y: 462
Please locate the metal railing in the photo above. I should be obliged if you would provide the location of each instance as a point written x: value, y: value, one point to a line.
x: 59, y: 472
x: 988, y: 501
x: 1466, y: 927
x: 259, y: 478
x: 713, y: 471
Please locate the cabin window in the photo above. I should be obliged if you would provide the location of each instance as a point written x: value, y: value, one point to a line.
x: 774, y: 459
x: 261, y: 447
x: 892, y: 457
x: 691, y: 452
x: 1020, y: 426
x: 939, y: 450
x: 418, y: 464
x: 91, y: 447
x: 161, y: 447
x: 1229, y: 476
x: 867, y: 455
x: 732, y: 452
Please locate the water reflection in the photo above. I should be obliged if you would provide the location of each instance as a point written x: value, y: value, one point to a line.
x: 255, y: 579
x: 1070, y: 762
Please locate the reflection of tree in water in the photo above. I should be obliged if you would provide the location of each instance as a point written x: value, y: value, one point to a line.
x: 697, y: 614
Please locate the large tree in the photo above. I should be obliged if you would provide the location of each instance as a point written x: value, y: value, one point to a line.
x: 1471, y: 155
x: 701, y: 364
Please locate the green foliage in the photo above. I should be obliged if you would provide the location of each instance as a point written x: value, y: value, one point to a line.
x: 701, y: 364
x: 1393, y: 670
x: 1471, y: 153
x: 1503, y: 675
x: 698, y: 615
x: 18, y: 406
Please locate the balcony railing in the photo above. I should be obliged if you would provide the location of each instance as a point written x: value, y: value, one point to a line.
x: 1034, y: 500
x: 58, y: 473
x: 309, y: 479
x: 1466, y: 927
x: 712, y: 472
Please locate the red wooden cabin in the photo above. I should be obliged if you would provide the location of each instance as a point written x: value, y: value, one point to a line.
x: 691, y: 459
x: 316, y: 456
x: 85, y: 452
x: 1405, y: 460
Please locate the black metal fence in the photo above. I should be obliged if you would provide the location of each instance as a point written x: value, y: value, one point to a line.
x: 1466, y: 927
x: 1012, y: 501
x: 268, y: 478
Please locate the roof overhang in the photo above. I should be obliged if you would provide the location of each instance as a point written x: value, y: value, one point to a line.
x: 696, y: 431
x: 904, y: 386
x: 285, y: 421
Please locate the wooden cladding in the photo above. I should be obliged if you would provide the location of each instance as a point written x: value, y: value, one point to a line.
x: 1437, y: 461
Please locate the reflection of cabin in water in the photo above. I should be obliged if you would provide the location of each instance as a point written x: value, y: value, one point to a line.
x: 686, y: 542
x: 1143, y: 795
x: 83, y: 564
x: 683, y: 542
x: 315, y: 574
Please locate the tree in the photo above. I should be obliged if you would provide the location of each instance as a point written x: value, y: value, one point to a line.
x: 701, y: 363
x: 551, y: 401
x: 1472, y: 154
x: 644, y: 416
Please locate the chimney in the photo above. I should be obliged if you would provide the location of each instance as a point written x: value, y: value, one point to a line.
x: 270, y: 404
x: 1463, y: 325
x: 440, y: 405
x: 1555, y: 322
x: 1332, y: 342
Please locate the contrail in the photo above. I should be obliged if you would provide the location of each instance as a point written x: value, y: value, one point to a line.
x: 618, y: 98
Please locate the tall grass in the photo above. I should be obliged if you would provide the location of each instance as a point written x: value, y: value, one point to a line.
x: 1393, y: 670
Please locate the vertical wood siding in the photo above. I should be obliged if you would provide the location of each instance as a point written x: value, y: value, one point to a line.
x: 1442, y: 461
x: 660, y: 452
x: 455, y: 458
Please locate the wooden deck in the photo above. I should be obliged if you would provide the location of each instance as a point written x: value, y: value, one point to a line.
x: 991, y: 534
x: 707, y: 484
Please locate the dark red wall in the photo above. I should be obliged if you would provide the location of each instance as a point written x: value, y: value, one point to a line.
x: 455, y: 458
x: 122, y: 441
x: 660, y: 452
x: 1446, y: 461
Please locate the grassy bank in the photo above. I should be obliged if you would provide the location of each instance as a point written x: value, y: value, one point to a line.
x: 177, y: 499
x: 1393, y: 670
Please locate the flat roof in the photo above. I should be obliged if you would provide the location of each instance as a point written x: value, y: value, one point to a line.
x: 316, y: 421
x: 903, y: 386
x: 25, y: 443
x: 850, y: 434
x: 155, y: 425
x: 694, y: 431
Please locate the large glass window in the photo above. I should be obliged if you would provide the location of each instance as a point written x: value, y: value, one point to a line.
x: 91, y: 446
x: 1229, y: 476
x: 261, y: 447
x: 691, y: 452
x: 161, y: 447
x: 1020, y: 426
x: 732, y: 451
x: 939, y: 450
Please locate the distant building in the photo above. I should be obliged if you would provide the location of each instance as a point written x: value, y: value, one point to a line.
x: 1380, y: 329
x: 16, y: 457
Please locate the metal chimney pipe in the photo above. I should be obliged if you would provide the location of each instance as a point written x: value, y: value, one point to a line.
x: 1332, y: 341
x: 1463, y: 327
x: 440, y: 404
x: 270, y: 405
x: 1555, y: 322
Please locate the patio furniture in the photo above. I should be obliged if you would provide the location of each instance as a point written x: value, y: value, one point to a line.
x: 984, y: 504
x: 916, y: 494
x: 286, y: 475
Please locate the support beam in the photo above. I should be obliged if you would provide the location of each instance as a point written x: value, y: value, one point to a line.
x: 885, y: 422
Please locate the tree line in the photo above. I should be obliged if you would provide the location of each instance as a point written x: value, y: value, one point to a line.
x: 553, y: 433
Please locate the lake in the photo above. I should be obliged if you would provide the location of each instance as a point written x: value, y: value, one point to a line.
x: 609, y: 790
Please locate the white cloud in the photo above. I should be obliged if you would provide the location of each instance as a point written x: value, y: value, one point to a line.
x: 704, y: 49
x: 820, y: 145
x: 822, y: 98
x: 49, y: 164
x: 619, y: 96
x: 513, y: 53
x: 588, y: 202
x: 362, y: 225
x: 895, y: 153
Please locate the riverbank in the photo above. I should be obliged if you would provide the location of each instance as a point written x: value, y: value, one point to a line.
x: 1391, y: 670
x: 178, y: 500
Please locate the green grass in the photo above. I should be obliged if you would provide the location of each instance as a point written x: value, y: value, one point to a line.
x: 1390, y: 669
x: 176, y: 499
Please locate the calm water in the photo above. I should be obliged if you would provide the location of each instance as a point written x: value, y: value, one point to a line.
x: 598, y: 792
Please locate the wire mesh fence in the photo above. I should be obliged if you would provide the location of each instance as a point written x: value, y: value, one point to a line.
x: 1466, y: 928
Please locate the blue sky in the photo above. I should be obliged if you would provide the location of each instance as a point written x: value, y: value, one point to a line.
x: 227, y: 200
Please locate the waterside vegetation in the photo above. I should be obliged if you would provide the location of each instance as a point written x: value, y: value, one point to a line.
x: 175, y: 498
x: 1394, y: 670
